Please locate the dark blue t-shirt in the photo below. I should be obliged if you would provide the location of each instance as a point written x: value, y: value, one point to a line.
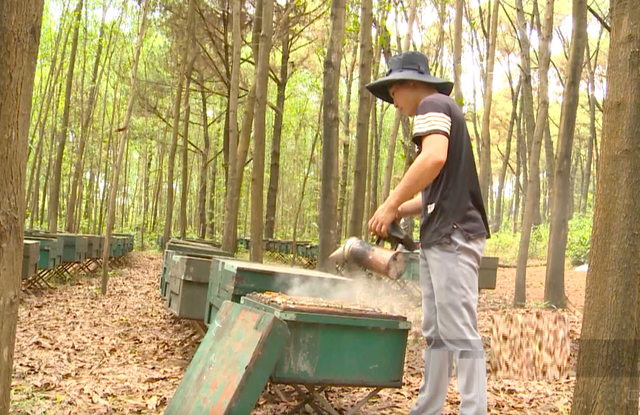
x: 453, y: 199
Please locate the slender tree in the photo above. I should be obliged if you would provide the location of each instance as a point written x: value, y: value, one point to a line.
x: 231, y: 225
x: 330, y: 131
x: 54, y: 198
x: 362, y: 127
x: 560, y: 210
x: 274, y: 170
x: 257, y: 176
x: 485, y: 152
x: 113, y: 188
x: 533, y: 189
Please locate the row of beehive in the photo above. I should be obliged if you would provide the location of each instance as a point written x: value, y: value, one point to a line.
x: 242, y: 345
x: 46, y: 253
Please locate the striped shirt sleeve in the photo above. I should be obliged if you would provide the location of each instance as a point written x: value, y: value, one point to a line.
x: 432, y: 123
x: 433, y: 117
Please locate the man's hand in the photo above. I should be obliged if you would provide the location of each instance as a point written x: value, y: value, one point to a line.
x: 384, y: 216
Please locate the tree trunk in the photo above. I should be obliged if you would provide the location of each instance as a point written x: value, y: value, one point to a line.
x: 43, y: 112
x: 123, y: 138
x: 457, y: 53
x: 88, y: 115
x: 190, y: 51
x: 234, y: 188
x: 148, y: 158
x: 168, y: 225
x: 20, y: 23
x: 304, y: 185
x: 519, y: 149
x: 548, y: 152
x: 592, y: 123
x: 54, y: 199
x: 212, y: 199
x: 607, y: 374
x: 330, y: 135
x: 342, y: 200
x: 202, y: 177
x: 485, y: 158
x: 362, y: 127
x: 533, y: 189
x: 388, y: 170
x: 274, y: 174
x: 257, y: 172
x: 184, y: 191
x: 554, y: 285
x: 497, y: 219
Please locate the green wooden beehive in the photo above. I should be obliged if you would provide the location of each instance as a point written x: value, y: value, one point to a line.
x: 412, y: 270
x: 488, y: 273
x: 231, y: 279
x: 75, y: 247
x: 232, y: 365
x: 337, y: 346
x: 196, y: 248
x: 119, y: 246
x: 129, y: 240
x: 30, y: 258
x: 50, y: 256
x: 164, y: 274
x: 94, y: 246
x: 176, y: 247
x: 187, y: 291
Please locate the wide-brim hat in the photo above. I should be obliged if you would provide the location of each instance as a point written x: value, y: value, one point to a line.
x: 408, y: 66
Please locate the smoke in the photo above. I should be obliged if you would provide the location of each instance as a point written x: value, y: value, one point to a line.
x: 358, y: 289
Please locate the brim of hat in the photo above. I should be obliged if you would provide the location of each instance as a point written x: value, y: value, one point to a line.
x: 380, y: 87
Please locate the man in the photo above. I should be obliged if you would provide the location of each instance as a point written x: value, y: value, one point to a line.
x: 453, y: 231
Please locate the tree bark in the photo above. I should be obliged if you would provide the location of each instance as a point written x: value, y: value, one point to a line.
x: 84, y: 127
x: 234, y: 188
x: 330, y: 135
x: 148, y: 159
x: 554, y: 285
x: 388, y: 170
x: 527, y: 95
x: 274, y: 172
x: 485, y: 158
x: 457, y: 53
x: 257, y: 172
x: 43, y: 112
x: 533, y: 189
x: 204, y: 160
x: 123, y: 139
x: 362, y: 127
x: 20, y: 24
x: 550, y: 163
x: 184, y: 191
x: 54, y: 198
x: 592, y: 123
x: 519, y: 149
x: 497, y: 219
x: 342, y: 200
x: 304, y: 186
x: 607, y: 367
x: 190, y: 51
x: 168, y: 225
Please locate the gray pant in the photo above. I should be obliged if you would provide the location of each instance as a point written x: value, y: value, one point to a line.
x: 449, y: 282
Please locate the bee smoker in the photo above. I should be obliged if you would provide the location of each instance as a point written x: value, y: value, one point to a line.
x: 376, y: 258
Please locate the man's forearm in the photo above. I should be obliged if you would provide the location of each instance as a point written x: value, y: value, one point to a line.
x: 411, y: 208
x: 422, y: 172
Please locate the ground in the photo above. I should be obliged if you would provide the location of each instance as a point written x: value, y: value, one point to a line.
x: 80, y: 353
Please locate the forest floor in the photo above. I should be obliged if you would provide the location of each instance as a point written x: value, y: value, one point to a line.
x: 78, y: 352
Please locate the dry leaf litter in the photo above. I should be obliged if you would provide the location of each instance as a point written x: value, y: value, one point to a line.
x: 80, y: 353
